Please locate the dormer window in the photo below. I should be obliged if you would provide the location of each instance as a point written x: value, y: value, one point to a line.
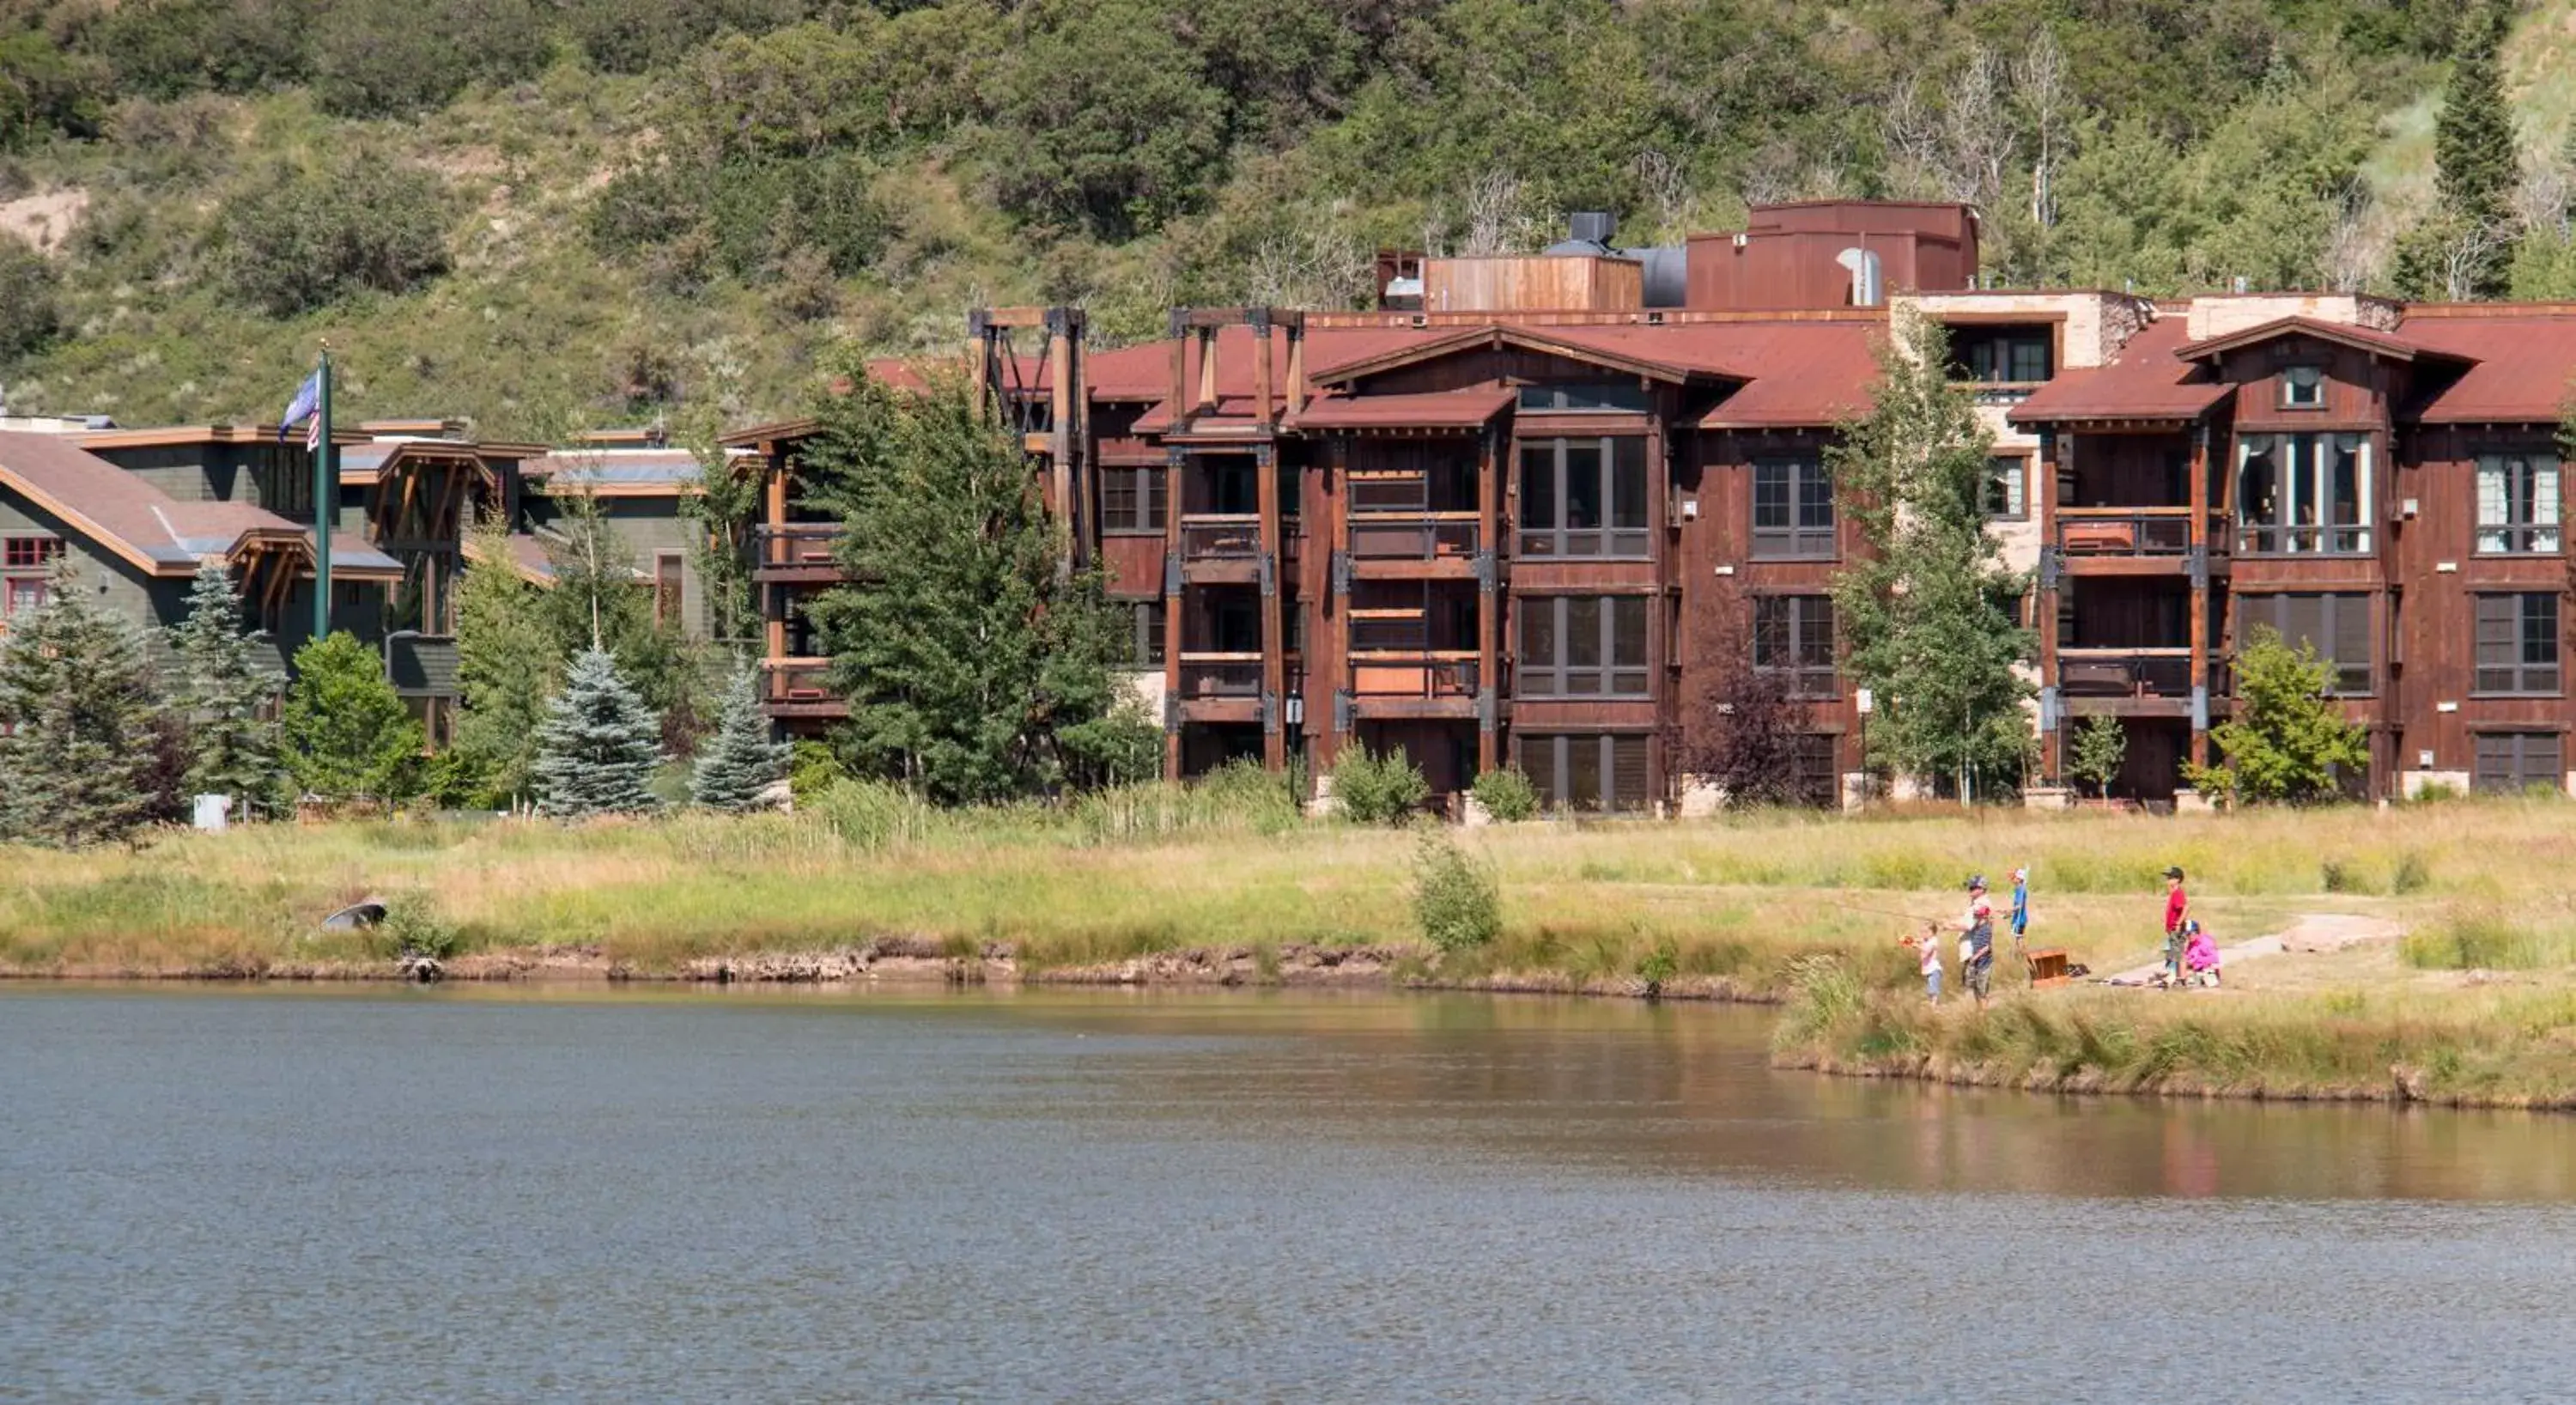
x: 1626, y: 397
x: 2303, y: 388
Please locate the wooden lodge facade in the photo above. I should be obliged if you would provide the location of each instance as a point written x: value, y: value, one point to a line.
x: 1490, y: 535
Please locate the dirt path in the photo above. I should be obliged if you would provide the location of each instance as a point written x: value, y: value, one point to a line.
x: 2313, y: 932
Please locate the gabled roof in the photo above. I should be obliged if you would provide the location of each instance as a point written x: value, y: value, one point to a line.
x: 2362, y: 339
x: 612, y: 473
x: 2522, y: 371
x: 1654, y: 353
x: 2147, y: 380
x: 132, y: 519
x: 185, y: 434
x: 525, y: 553
x: 1452, y: 409
x: 1799, y: 375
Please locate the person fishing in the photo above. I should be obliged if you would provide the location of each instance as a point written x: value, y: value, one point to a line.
x: 2177, y: 912
x: 2199, y: 955
x: 1927, y: 947
x: 1977, y: 942
x: 2021, y: 915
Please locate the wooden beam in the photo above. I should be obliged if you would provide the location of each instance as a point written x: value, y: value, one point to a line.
x: 1296, y: 368
x: 1207, y: 371
x: 1175, y: 495
x: 1489, y: 601
x: 1263, y: 413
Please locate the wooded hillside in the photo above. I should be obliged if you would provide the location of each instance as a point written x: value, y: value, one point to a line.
x: 543, y: 213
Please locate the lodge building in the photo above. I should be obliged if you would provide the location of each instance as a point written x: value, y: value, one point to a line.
x: 1489, y: 522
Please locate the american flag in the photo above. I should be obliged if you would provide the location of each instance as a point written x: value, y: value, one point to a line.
x: 306, y: 406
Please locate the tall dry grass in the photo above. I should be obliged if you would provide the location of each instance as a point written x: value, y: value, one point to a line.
x: 1158, y: 867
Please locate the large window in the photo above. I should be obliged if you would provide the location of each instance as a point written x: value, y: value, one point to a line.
x: 1604, y: 395
x: 1794, y: 635
x: 1132, y: 500
x: 1585, y: 770
x: 1793, y: 509
x: 1584, y: 497
x: 2008, y: 487
x: 2518, y: 503
x: 1145, y: 634
x: 1583, y: 646
x: 2517, y: 761
x: 2517, y: 643
x: 2303, y: 493
x: 2336, y: 626
x: 2001, y: 355
x: 19, y: 594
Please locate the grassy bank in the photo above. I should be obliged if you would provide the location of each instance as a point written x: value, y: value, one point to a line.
x: 2480, y: 1047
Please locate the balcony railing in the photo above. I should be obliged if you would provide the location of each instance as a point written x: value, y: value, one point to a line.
x: 2133, y: 673
x: 1208, y: 676
x: 1414, y: 536
x: 798, y: 543
x: 2126, y: 531
x: 1421, y: 675
x: 1221, y: 536
x: 796, y: 680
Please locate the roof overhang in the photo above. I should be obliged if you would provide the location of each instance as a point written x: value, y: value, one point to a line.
x: 1497, y: 336
x: 2386, y: 348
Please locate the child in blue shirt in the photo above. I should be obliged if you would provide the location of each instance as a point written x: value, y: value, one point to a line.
x: 2021, y: 913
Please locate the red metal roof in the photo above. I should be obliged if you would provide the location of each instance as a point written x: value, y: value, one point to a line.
x: 2523, y: 372
x: 1454, y: 409
x: 2147, y: 380
x: 2343, y: 333
x: 1799, y: 374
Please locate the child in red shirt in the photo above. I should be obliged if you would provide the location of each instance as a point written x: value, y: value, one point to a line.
x: 2177, y: 911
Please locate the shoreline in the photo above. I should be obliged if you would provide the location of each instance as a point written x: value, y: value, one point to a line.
x: 921, y: 962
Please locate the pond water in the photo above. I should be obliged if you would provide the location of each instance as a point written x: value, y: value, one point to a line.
x: 489, y: 1194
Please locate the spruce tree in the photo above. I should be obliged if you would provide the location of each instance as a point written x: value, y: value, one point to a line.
x: 232, y: 747
x: 737, y: 766
x: 974, y: 672
x: 76, y: 719
x: 2465, y: 245
x: 600, y: 745
x: 596, y: 599
x: 1926, y: 612
x: 348, y: 735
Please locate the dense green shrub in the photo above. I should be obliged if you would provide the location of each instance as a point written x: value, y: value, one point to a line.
x: 391, y: 58
x: 30, y: 312
x: 297, y: 240
x: 1457, y: 899
x: 1377, y: 787
x: 45, y: 90
x: 621, y: 37
x: 163, y: 48
x: 1507, y: 795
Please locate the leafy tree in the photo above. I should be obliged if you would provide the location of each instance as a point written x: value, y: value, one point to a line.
x: 2288, y: 737
x: 600, y: 745
x: 507, y: 664
x: 45, y: 90
x: 1925, y: 611
x: 76, y: 722
x: 1739, y: 725
x: 973, y: 672
x: 739, y: 763
x: 222, y: 696
x: 297, y: 240
x: 2101, y: 745
x: 392, y: 58
x: 1106, y: 119
x: 348, y: 735
x: 166, y: 48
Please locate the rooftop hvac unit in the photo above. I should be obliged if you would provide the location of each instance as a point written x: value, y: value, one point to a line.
x: 1867, y: 288
x: 1592, y: 227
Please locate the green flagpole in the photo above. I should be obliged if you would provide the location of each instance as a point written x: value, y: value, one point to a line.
x: 326, y: 483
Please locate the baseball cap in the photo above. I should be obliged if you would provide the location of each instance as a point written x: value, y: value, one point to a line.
x: 1978, y: 881
x: 2174, y: 872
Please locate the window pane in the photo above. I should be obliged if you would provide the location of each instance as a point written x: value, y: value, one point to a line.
x: 1815, y: 496
x: 1628, y: 483
x: 1771, y: 632
x: 1583, y: 772
x: 2030, y: 359
x: 1583, y: 505
x: 1627, y: 773
x: 1771, y: 494
x: 1816, y: 631
x: 1538, y: 487
x: 2540, y: 629
x: 1538, y: 633
x: 1628, y: 631
x: 1582, y: 631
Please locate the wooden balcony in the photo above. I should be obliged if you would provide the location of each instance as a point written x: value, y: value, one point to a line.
x: 799, y: 688
x: 2134, y: 682
x: 1226, y: 687
x: 1414, y: 545
x: 2131, y: 541
x: 797, y: 552
x: 1414, y: 682
x: 1221, y: 548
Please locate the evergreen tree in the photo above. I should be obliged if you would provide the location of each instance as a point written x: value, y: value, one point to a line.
x: 507, y: 661
x: 600, y: 597
x: 974, y: 672
x: 76, y: 722
x: 739, y: 763
x: 348, y: 735
x: 600, y: 745
x: 232, y: 747
x: 2465, y: 247
x: 1926, y: 610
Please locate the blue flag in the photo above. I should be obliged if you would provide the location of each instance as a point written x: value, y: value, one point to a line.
x: 307, y: 402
